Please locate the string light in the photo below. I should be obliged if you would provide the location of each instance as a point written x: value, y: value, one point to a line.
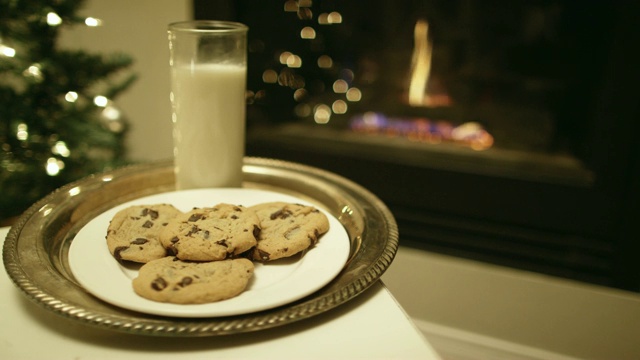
x: 354, y: 94
x: 91, y: 21
x: 284, y: 56
x: 340, y: 86
x: 22, y: 132
x: 33, y: 71
x: 308, y: 33
x: 60, y: 148
x: 7, y: 51
x: 339, y: 107
x: 299, y: 94
x: 290, y: 6
x: 71, y: 96
x: 53, y: 19
x: 334, y: 18
x: 325, y: 62
x: 100, y: 100
x: 322, y: 114
x: 270, y: 76
x: 294, y: 61
x: 54, y: 166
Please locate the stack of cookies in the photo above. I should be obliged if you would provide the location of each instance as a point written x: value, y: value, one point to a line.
x: 206, y: 254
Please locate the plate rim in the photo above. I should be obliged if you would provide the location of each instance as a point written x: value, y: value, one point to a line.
x: 364, y: 267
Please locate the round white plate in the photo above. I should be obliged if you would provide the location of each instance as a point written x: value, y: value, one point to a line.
x: 274, y: 283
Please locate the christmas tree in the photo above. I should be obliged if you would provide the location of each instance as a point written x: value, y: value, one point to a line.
x: 58, y: 121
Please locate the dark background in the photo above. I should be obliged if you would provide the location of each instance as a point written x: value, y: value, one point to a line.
x: 554, y: 81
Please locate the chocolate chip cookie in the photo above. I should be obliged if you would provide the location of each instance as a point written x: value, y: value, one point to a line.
x: 287, y: 229
x: 171, y: 280
x: 133, y: 233
x: 211, y: 234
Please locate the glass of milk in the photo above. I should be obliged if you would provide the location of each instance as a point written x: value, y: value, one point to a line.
x: 208, y: 61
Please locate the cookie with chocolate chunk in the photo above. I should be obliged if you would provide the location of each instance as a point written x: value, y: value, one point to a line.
x: 211, y: 234
x: 171, y: 280
x: 287, y: 229
x: 133, y: 233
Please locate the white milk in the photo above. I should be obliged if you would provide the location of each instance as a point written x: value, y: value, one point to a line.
x: 209, y: 124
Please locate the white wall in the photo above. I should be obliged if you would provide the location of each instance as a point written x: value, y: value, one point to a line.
x: 139, y: 29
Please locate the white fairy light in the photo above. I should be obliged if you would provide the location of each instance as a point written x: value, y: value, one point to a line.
x: 93, y: 22
x: 22, y: 132
x: 53, y: 19
x: 60, y: 148
x: 54, y: 166
x: 71, y: 96
x: 7, y: 51
x: 33, y: 71
x: 100, y: 100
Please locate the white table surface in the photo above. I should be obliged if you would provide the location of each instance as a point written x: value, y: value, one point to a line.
x: 371, y: 326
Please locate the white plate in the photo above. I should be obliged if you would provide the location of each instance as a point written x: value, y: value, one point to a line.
x: 274, y: 283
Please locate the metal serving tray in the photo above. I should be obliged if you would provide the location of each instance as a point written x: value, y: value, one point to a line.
x: 36, y: 248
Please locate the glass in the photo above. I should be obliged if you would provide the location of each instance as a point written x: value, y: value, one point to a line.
x: 208, y: 61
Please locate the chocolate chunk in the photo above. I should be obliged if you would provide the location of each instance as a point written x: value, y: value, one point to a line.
x: 175, y: 239
x: 194, y: 229
x: 263, y: 255
x: 195, y: 217
x: 159, y: 284
x: 222, y: 242
x: 153, y: 214
x: 234, y: 217
x: 117, y: 251
x: 280, y: 214
x: 139, y: 241
x: 256, y: 231
x: 185, y: 281
x: 147, y: 224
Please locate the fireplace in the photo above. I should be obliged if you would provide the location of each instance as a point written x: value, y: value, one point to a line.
x: 500, y: 132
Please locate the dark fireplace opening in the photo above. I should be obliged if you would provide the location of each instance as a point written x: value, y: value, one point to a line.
x: 497, y: 131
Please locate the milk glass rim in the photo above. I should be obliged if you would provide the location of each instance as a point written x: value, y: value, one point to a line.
x: 207, y: 27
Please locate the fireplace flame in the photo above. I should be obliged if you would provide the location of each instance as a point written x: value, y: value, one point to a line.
x: 424, y: 89
x: 420, y: 64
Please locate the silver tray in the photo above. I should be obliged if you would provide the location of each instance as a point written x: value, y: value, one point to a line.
x: 36, y: 248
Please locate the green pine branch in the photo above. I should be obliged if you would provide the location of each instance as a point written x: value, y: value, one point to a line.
x: 47, y: 112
